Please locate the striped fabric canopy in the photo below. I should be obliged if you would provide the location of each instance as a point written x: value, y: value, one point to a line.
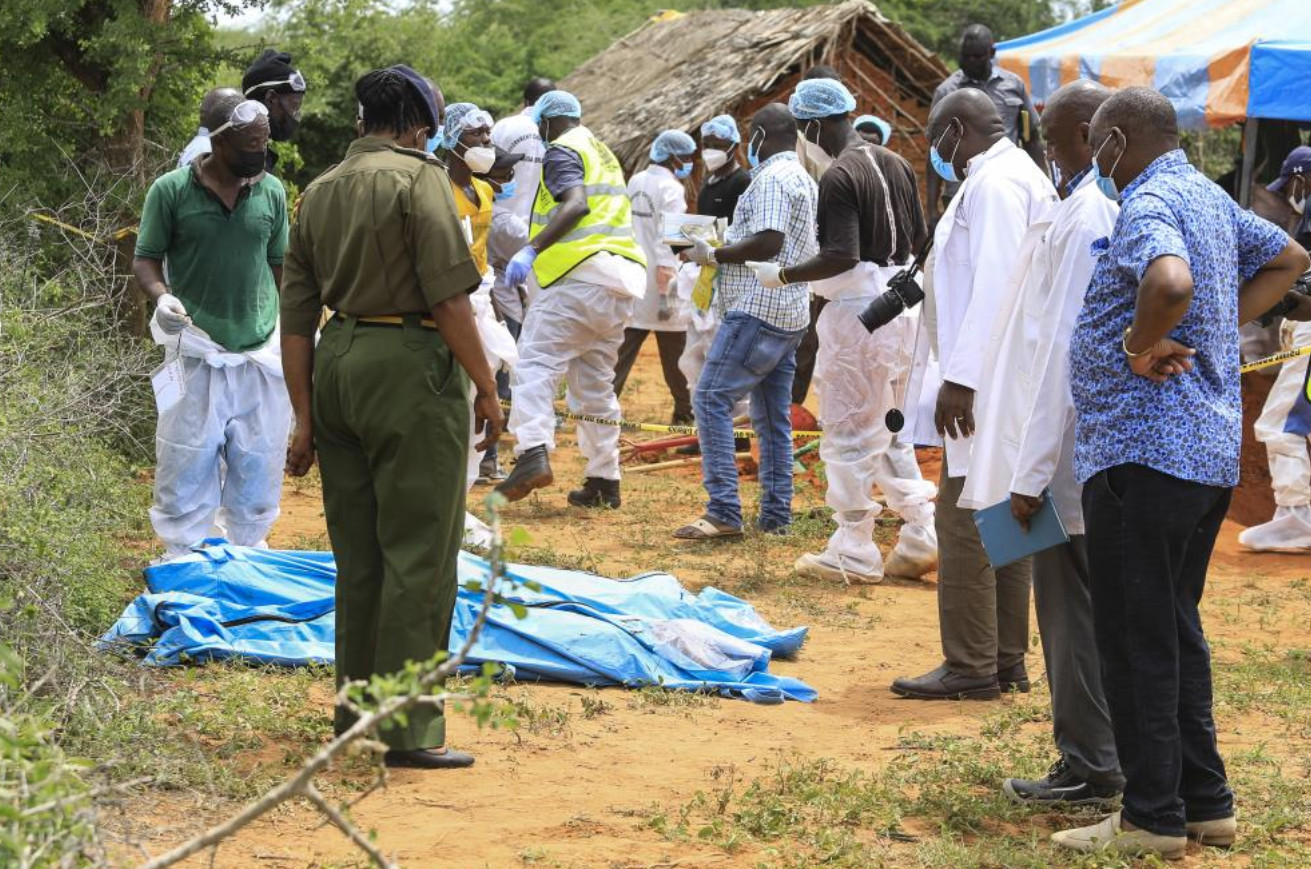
x: 1219, y: 61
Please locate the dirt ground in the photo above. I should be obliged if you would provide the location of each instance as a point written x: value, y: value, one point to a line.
x: 583, y: 793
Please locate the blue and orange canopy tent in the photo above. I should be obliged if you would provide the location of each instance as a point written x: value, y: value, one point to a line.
x: 1219, y: 61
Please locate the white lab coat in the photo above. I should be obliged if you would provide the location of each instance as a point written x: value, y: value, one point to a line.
x: 655, y: 191
x: 977, y: 243
x: 198, y: 145
x: 518, y: 135
x: 1026, y: 441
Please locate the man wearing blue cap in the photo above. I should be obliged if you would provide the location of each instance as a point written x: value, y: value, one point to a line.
x: 870, y: 225
x: 382, y: 396
x: 586, y: 270
x: 656, y: 190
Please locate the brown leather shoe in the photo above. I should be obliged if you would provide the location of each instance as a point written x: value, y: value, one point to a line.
x: 942, y: 684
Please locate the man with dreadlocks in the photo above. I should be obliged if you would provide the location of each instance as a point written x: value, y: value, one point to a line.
x: 382, y: 397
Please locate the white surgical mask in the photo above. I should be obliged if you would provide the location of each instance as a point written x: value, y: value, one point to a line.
x: 479, y: 159
x: 714, y: 159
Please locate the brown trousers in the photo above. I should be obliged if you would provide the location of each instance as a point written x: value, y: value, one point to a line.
x: 983, y: 614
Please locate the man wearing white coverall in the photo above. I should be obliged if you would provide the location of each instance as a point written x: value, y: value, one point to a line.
x: 983, y: 613
x: 221, y: 445
x: 870, y: 223
x: 586, y: 270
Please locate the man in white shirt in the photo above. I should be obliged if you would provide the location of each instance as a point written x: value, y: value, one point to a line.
x: 1025, y: 447
x: 658, y: 189
x: 518, y: 134
x: 983, y: 614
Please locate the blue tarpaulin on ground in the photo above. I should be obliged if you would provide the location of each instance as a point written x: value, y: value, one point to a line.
x: 226, y: 601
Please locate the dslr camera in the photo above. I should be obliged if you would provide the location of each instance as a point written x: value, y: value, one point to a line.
x: 902, y: 293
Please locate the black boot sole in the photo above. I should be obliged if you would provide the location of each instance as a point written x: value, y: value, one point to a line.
x: 971, y: 694
x: 517, y: 490
x: 1021, y: 687
x: 592, y: 503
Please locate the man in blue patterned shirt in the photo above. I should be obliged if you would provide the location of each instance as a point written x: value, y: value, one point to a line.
x: 754, y: 352
x: 1154, y: 374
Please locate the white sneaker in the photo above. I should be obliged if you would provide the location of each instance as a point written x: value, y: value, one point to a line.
x: 1289, y: 531
x: 814, y: 566
x: 1108, y: 835
x: 916, y: 553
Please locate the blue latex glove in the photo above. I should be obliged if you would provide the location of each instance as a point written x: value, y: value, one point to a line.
x: 516, y: 271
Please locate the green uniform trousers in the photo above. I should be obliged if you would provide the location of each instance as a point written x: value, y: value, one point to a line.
x: 391, y: 427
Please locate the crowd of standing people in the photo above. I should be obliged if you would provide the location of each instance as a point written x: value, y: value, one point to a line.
x: 1077, y: 349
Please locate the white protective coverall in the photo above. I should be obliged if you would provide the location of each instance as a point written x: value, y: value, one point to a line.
x: 1290, y: 468
x: 860, y: 376
x: 221, y: 449
x: 652, y: 192
x: 572, y: 332
x: 1025, y: 441
x: 500, y: 350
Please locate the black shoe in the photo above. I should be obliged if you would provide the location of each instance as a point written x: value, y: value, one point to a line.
x: 531, y: 471
x: 428, y: 758
x: 942, y: 684
x: 1061, y: 787
x: 689, y: 450
x: 596, y: 492
x: 1014, y: 678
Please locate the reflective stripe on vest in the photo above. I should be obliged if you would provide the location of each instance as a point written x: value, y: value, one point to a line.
x: 606, y: 228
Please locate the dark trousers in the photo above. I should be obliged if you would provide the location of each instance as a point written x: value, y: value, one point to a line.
x: 807, y: 353
x: 671, y: 346
x: 1150, y: 537
x: 1081, y: 723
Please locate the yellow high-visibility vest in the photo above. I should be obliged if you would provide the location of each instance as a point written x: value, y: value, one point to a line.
x: 607, y: 228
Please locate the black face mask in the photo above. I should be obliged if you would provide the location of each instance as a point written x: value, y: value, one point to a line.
x: 281, y: 129
x: 247, y: 164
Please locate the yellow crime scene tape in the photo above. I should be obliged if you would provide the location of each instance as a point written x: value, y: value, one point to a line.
x: 1276, y: 359
x: 118, y: 235
x: 655, y: 428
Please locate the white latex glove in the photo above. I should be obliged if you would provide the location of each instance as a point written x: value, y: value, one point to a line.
x: 516, y: 270
x: 171, y: 314
x: 700, y: 252
x: 766, y: 273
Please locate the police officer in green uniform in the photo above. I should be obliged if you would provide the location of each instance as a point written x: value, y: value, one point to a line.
x: 383, y: 397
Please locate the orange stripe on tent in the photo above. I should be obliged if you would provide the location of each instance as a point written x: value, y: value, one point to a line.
x: 1019, y: 66
x: 1226, y: 99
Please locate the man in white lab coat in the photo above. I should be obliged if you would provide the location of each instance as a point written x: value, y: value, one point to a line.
x: 983, y: 614
x: 656, y: 190
x: 1025, y: 448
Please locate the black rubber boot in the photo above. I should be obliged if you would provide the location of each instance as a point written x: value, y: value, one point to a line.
x: 596, y: 492
x: 531, y: 471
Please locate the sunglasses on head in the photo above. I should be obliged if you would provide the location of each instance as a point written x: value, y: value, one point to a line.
x: 296, y: 80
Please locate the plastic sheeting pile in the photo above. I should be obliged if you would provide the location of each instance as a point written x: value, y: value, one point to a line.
x: 228, y: 601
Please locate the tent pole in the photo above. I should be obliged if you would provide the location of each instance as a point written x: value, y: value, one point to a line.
x: 1249, y: 161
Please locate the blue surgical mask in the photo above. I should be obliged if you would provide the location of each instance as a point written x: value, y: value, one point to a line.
x: 1106, y: 183
x: 507, y: 190
x: 945, y: 168
x: 753, y: 149
x: 435, y: 142
x: 683, y: 171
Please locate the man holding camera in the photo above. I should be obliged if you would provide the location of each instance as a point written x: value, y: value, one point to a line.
x: 983, y: 614
x: 870, y: 224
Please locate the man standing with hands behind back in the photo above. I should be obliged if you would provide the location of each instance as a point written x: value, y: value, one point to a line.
x: 1155, y: 375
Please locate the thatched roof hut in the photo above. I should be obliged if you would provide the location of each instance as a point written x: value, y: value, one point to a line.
x: 677, y: 71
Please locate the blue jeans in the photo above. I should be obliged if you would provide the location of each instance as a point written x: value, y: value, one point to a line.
x: 748, y: 357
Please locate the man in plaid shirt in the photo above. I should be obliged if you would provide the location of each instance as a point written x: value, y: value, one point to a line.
x: 754, y: 352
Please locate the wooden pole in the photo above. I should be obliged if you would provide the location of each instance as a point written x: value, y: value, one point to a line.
x: 1249, y: 161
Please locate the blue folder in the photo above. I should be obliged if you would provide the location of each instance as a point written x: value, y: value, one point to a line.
x: 1006, y: 542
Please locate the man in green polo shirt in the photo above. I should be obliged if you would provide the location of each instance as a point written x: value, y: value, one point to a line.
x: 222, y: 224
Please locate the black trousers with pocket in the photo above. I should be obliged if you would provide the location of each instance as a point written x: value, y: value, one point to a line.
x: 1150, y: 537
